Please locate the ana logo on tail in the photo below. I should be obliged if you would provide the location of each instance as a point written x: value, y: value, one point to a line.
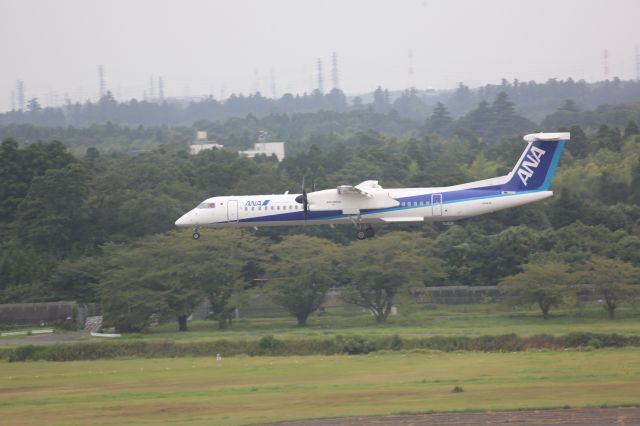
x: 531, y: 161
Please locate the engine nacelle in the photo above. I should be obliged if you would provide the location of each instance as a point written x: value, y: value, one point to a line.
x: 350, y: 202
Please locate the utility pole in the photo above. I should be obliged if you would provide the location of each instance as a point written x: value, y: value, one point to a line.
x: 13, y: 100
x: 101, y: 82
x: 606, y: 64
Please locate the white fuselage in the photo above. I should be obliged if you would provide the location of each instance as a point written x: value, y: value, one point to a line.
x: 328, y: 207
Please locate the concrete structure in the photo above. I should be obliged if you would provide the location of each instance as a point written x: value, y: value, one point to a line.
x: 266, y: 148
x: 202, y: 143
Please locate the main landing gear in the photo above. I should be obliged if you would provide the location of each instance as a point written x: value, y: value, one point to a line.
x: 365, y: 232
x: 196, y: 234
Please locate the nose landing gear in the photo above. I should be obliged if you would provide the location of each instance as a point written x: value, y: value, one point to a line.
x: 196, y: 234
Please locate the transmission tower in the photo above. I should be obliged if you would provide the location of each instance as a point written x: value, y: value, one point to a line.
x: 101, y: 81
x: 272, y: 79
x: 152, y: 88
x: 320, y: 76
x: 161, y: 89
x: 335, y: 75
x: 606, y: 64
x: 20, y: 90
x: 256, y: 81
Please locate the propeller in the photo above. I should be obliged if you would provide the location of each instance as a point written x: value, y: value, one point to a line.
x: 302, y: 199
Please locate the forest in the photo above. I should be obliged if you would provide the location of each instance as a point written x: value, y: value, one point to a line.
x: 87, y: 211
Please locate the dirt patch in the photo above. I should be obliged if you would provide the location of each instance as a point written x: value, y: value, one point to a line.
x: 624, y: 416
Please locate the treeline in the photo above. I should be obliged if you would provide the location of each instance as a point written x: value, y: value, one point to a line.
x: 531, y: 100
x: 90, y: 228
x: 488, y: 122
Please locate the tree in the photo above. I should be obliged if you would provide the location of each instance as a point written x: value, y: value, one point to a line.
x: 613, y: 280
x: 54, y: 215
x: 377, y: 270
x: 77, y: 279
x: 33, y: 106
x: 570, y: 105
x: 631, y: 129
x: 174, y: 274
x: 544, y: 284
x: 301, y: 271
x: 381, y: 102
x: 440, y: 120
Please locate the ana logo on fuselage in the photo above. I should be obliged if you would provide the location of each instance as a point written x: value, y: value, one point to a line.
x: 257, y: 203
x: 531, y: 161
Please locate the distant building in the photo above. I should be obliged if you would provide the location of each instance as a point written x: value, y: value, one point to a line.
x: 266, y: 148
x: 202, y: 143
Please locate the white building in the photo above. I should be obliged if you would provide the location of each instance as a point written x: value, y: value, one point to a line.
x: 202, y: 143
x: 266, y: 148
x: 261, y: 148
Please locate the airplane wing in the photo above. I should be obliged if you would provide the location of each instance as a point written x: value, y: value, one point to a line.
x: 402, y: 219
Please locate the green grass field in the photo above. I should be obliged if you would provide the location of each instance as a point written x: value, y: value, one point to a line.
x: 245, y: 390
x: 451, y: 320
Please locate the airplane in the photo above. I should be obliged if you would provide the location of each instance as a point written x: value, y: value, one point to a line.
x: 368, y: 203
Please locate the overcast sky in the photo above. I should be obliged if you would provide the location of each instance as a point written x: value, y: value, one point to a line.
x: 221, y: 47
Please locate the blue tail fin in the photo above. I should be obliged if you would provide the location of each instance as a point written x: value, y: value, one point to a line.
x: 537, y: 164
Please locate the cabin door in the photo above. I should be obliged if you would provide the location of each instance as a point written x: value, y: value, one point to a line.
x: 436, y: 204
x: 232, y: 210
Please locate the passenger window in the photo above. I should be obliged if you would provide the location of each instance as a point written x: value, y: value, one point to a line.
x: 253, y: 208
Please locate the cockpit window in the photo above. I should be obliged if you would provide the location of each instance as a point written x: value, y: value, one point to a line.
x: 206, y: 205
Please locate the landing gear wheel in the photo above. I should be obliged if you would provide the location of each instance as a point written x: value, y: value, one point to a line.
x: 369, y: 232
x: 361, y: 235
x: 196, y: 235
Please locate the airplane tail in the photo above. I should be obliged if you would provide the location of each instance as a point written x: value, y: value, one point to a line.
x: 537, y: 164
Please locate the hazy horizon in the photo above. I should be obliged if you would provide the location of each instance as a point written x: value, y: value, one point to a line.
x: 204, y: 47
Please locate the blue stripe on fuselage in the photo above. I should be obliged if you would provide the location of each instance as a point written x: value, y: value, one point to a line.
x: 447, y: 198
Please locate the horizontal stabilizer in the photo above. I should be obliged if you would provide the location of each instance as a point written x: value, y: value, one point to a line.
x: 402, y: 219
x: 532, y: 137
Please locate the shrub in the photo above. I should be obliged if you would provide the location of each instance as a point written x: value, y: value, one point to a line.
x: 269, y: 345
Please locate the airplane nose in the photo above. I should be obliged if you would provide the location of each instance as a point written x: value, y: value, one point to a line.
x: 183, y: 221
